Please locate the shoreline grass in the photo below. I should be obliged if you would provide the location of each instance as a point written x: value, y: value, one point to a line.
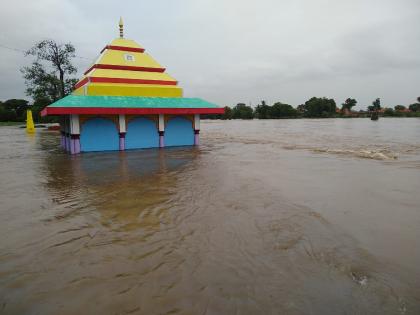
x: 11, y: 123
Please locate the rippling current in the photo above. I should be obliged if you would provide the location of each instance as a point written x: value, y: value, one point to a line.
x: 265, y: 217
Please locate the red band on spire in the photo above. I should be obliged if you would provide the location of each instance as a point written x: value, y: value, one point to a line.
x: 131, y: 81
x: 81, y: 83
x: 121, y: 67
x: 123, y: 48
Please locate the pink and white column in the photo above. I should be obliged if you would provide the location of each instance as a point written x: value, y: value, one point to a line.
x: 73, y: 139
x: 197, y: 129
x: 161, y: 126
x: 74, y: 144
x: 122, y: 131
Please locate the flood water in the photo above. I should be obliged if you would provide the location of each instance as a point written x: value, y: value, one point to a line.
x: 265, y: 217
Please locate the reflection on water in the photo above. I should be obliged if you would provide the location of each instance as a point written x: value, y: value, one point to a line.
x: 134, y: 182
x: 266, y: 217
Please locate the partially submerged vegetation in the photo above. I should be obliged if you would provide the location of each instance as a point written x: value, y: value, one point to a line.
x: 316, y: 107
x: 13, y: 111
x: 10, y: 123
x: 47, y: 79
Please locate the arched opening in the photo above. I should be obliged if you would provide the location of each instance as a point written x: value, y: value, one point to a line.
x: 141, y: 133
x: 178, y: 132
x: 99, y: 134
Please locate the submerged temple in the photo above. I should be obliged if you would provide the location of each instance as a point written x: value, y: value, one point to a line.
x: 126, y: 100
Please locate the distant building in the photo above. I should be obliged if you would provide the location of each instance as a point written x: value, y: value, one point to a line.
x: 347, y: 112
x: 126, y: 100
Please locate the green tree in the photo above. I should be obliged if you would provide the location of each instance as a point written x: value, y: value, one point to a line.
x: 280, y: 110
x: 389, y: 112
x: 319, y: 107
x: 301, y: 108
x: 348, y: 104
x: 6, y: 114
x: 228, y: 113
x: 242, y: 111
x: 376, y: 105
x: 48, y: 78
x: 263, y: 111
x: 13, y: 110
x: 399, y: 107
x: 414, y: 107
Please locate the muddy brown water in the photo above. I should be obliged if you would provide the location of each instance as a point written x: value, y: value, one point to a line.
x: 265, y: 217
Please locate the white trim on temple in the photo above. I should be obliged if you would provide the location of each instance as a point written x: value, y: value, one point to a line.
x: 161, y: 122
x: 197, y: 121
x: 74, y: 124
x: 121, y: 122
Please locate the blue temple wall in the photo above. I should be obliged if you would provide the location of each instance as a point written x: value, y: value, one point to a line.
x: 99, y: 134
x: 141, y: 133
x: 179, y: 132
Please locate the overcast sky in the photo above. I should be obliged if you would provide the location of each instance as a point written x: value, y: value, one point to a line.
x: 230, y: 51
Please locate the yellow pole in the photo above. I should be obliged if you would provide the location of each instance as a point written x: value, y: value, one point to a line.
x: 30, y: 127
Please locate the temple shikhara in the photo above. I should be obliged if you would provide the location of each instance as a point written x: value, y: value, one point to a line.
x: 126, y: 100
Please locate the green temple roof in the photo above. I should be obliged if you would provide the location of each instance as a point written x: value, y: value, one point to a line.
x: 110, y: 105
x: 82, y: 101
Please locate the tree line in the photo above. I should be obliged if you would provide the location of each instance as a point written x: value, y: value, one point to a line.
x: 15, y: 110
x: 315, y: 107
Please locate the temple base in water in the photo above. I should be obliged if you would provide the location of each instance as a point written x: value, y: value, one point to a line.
x: 112, y: 123
x: 90, y: 133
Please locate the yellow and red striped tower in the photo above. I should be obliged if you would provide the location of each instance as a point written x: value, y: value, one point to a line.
x: 123, y: 68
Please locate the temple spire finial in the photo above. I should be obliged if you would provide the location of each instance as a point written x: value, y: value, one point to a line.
x: 121, y: 25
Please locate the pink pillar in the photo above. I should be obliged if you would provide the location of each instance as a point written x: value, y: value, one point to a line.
x: 74, y: 144
x: 196, y: 137
x: 122, y: 141
x: 72, y: 148
x: 77, y: 145
x: 161, y: 139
